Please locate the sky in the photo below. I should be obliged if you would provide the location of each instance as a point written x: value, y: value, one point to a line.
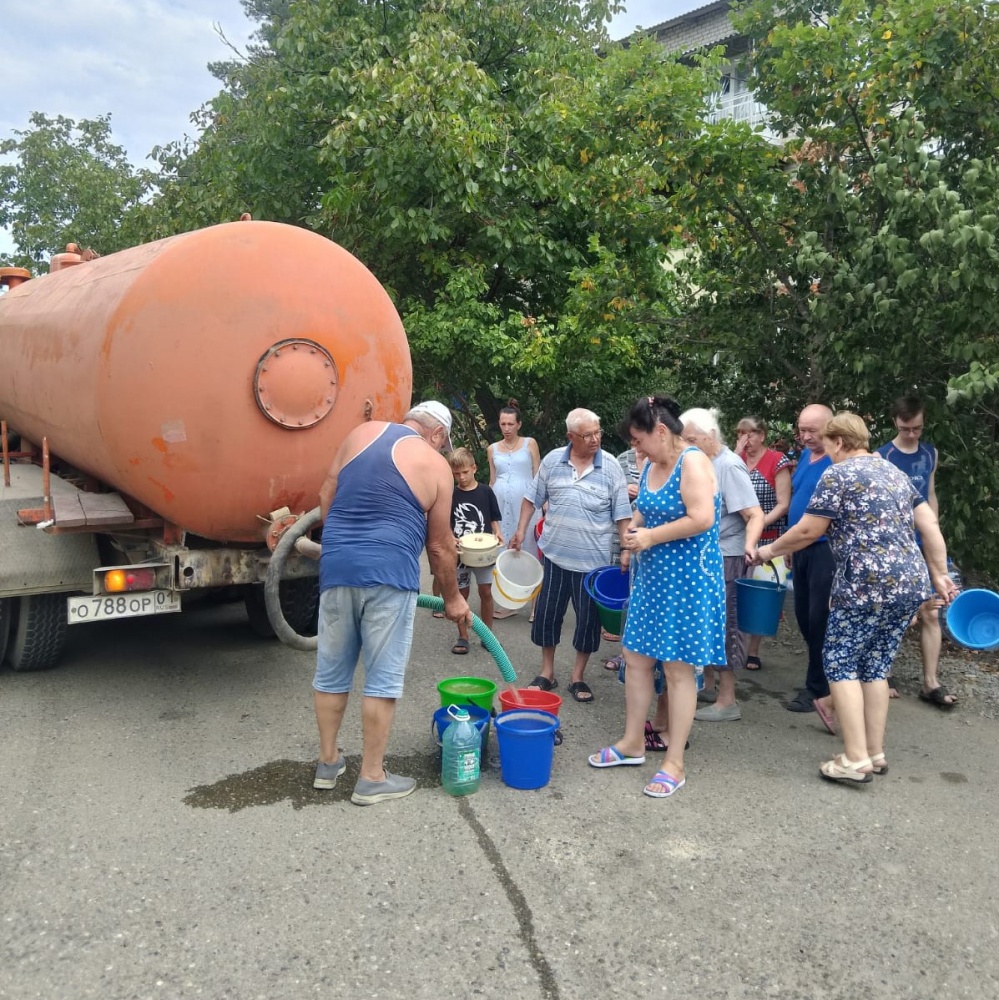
x: 144, y: 62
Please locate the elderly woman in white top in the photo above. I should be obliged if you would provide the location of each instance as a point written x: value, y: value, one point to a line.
x: 739, y: 531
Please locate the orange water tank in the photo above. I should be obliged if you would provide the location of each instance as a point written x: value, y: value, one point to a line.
x: 211, y: 375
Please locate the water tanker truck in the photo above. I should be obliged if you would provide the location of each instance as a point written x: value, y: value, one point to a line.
x: 168, y: 415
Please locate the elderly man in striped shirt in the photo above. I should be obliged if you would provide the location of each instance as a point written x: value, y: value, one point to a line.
x: 587, y: 497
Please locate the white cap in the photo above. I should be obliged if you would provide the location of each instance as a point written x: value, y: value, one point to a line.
x: 440, y: 413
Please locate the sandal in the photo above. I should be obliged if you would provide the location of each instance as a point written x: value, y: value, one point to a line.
x: 612, y: 757
x: 653, y: 740
x: 840, y: 768
x: 878, y: 764
x: 542, y: 683
x: 666, y: 781
x: 893, y: 691
x: 460, y: 648
x: 938, y: 696
x: 438, y: 614
x: 827, y: 717
x: 578, y: 688
x: 614, y: 663
x: 753, y: 663
x: 609, y: 636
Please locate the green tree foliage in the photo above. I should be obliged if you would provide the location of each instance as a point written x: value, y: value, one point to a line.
x: 67, y: 182
x: 495, y: 169
x: 859, y: 259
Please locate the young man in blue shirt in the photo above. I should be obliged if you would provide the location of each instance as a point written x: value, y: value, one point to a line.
x: 918, y: 460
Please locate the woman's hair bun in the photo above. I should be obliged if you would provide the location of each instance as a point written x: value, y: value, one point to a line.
x: 670, y: 405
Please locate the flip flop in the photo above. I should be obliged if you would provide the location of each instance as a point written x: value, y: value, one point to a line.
x: 893, y: 691
x: 753, y: 663
x: 576, y: 688
x: 664, y: 780
x: 938, y: 696
x: 828, y: 719
x: 612, y: 757
x: 542, y: 683
x: 438, y: 614
x: 460, y: 648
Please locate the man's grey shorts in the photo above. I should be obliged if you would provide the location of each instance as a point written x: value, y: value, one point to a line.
x: 483, y: 575
x: 378, y: 620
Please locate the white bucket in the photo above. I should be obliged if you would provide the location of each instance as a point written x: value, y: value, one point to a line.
x: 516, y: 579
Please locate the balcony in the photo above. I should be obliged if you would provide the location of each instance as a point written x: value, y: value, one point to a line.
x: 741, y: 107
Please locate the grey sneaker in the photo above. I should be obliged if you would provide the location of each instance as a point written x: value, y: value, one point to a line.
x: 326, y: 774
x: 712, y: 713
x: 367, y: 793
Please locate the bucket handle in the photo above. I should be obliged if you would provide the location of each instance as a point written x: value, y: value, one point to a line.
x: 776, y: 573
x: 534, y: 593
x: 435, y: 736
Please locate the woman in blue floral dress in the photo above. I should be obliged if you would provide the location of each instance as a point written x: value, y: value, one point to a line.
x: 867, y: 508
x: 676, y: 613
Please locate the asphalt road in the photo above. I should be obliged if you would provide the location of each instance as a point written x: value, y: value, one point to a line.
x: 159, y: 837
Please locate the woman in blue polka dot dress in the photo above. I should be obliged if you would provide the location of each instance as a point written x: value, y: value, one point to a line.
x: 677, y: 609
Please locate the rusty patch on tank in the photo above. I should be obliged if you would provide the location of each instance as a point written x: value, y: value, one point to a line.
x: 164, y: 489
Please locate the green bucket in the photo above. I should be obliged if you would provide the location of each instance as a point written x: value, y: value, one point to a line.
x: 467, y: 691
x: 611, y: 620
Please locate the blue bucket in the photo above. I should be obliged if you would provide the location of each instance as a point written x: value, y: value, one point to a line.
x: 973, y: 619
x: 479, y: 718
x: 608, y: 586
x: 526, y: 738
x: 759, y: 604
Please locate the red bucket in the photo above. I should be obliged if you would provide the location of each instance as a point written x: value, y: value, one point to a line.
x: 546, y: 701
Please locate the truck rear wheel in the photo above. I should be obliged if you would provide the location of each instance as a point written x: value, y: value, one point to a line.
x: 37, y: 631
x: 299, y: 604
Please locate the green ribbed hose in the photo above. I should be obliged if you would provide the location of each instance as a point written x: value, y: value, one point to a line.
x: 481, y: 629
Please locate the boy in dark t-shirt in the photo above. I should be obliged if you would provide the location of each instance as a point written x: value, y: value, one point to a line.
x: 918, y: 460
x: 474, y: 510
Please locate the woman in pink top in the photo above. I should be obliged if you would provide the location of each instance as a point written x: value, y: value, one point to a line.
x: 770, y: 473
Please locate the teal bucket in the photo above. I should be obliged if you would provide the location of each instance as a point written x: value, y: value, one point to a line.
x: 526, y: 738
x: 479, y: 718
x: 759, y: 604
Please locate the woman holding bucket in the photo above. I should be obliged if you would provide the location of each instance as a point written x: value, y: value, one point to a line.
x: 677, y: 609
x: 770, y: 474
x: 513, y: 464
x: 866, y: 507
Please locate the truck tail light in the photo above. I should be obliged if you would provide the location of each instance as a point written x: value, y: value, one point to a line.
x: 119, y: 581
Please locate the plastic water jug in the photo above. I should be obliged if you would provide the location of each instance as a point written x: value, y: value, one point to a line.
x: 461, y: 753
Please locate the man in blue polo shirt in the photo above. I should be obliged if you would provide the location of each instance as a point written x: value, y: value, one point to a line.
x: 813, y: 566
x: 587, y: 496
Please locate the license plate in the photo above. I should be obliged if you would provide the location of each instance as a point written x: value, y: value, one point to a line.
x: 98, y: 609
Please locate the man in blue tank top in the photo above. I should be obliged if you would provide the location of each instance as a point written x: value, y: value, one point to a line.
x: 813, y: 566
x: 386, y: 497
x: 918, y: 460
